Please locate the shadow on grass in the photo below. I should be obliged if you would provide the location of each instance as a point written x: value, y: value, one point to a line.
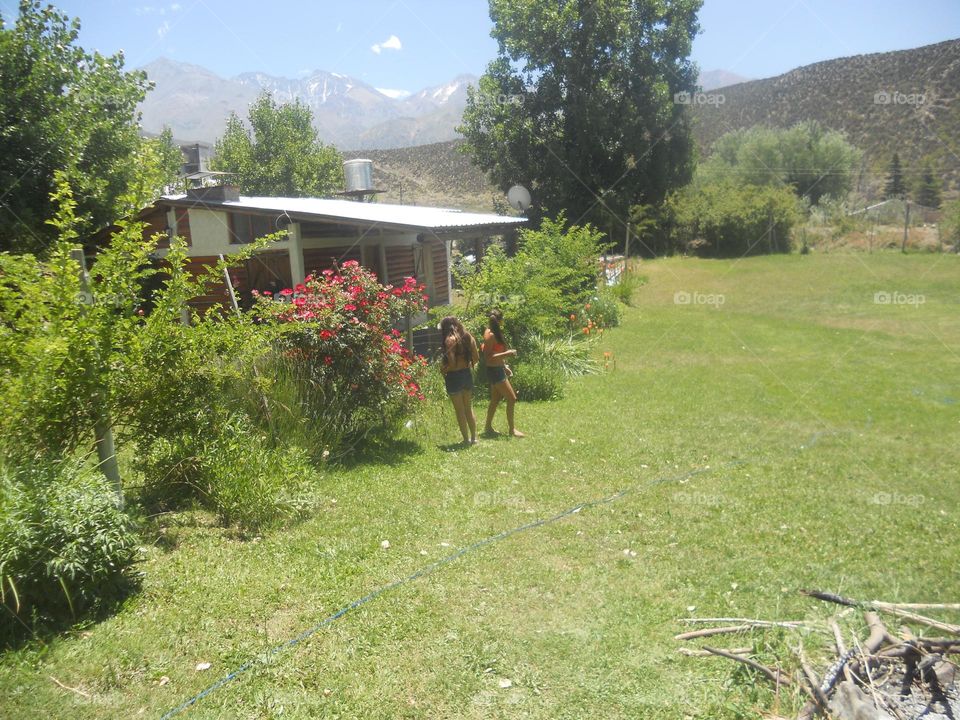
x: 31, y: 626
x: 390, y: 452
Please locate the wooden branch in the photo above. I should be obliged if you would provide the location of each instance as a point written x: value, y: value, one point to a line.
x: 916, y: 606
x: 837, y: 637
x: 750, y: 621
x: 747, y: 625
x: 78, y: 691
x: 878, y: 636
x: 775, y: 676
x: 689, y: 652
x: 884, y: 607
x: 711, y: 631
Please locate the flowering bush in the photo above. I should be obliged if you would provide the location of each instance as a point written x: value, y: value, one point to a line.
x: 340, y: 338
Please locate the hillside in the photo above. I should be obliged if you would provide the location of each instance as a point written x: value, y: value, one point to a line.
x: 906, y: 101
x: 436, y: 174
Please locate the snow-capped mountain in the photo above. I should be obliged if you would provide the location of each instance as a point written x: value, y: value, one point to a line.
x: 347, y: 112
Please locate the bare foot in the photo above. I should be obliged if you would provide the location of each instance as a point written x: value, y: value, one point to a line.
x: 517, y: 433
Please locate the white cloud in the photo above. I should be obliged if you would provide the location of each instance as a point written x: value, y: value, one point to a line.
x: 391, y: 43
x: 394, y: 94
x: 163, y: 29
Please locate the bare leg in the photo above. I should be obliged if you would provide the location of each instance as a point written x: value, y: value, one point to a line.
x: 468, y: 412
x: 492, y: 409
x: 458, y: 406
x: 511, y: 397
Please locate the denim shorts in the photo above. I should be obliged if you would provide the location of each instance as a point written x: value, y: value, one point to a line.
x: 496, y: 374
x: 458, y: 380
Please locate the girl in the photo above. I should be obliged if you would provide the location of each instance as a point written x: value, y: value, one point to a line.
x: 494, y: 352
x: 459, y: 355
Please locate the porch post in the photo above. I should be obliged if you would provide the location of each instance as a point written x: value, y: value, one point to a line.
x: 297, y: 271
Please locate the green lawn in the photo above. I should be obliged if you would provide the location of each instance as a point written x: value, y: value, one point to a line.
x: 827, y: 425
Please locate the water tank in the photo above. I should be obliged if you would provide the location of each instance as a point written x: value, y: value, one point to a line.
x: 358, y: 175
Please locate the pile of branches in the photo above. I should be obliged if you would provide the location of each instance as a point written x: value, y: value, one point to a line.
x: 881, y: 677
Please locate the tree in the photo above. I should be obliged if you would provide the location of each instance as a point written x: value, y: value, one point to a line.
x: 580, y: 103
x: 895, y: 187
x: 929, y: 188
x: 812, y: 160
x: 281, y: 154
x: 61, y: 109
x: 950, y: 225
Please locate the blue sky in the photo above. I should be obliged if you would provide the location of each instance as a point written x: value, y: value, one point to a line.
x: 411, y: 44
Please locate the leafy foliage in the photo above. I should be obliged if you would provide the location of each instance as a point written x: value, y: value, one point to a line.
x: 65, y: 547
x: 894, y: 187
x: 929, y: 188
x: 62, y: 109
x: 579, y: 103
x: 726, y: 219
x: 339, y: 341
x: 814, y: 161
x: 280, y: 154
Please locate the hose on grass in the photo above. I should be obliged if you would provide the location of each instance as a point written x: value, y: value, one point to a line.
x: 433, y: 567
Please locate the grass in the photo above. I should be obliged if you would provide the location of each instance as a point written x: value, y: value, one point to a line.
x: 828, y: 423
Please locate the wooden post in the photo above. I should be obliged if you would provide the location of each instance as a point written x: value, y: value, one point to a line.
x: 906, y: 228
x: 102, y: 427
x: 626, y: 245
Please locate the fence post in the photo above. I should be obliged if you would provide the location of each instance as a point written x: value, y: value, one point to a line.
x: 906, y: 228
x: 102, y: 427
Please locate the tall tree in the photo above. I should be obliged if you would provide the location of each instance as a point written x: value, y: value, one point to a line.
x: 581, y: 103
x: 61, y: 109
x: 812, y: 160
x: 895, y: 187
x: 929, y: 188
x: 281, y: 154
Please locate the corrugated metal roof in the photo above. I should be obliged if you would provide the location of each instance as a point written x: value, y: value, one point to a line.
x: 406, y: 216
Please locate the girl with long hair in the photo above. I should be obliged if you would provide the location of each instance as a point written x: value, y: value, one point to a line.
x: 495, y: 353
x: 458, y: 356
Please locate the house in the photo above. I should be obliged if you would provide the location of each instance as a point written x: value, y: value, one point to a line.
x: 393, y: 241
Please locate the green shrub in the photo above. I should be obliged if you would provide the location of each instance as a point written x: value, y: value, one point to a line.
x: 627, y: 286
x: 727, y: 219
x: 552, y: 276
x: 65, y: 547
x: 537, y: 380
x: 603, y: 310
x: 567, y: 356
x: 249, y: 483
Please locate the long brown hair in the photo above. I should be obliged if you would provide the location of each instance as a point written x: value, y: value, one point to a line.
x: 464, y: 340
x: 496, y: 317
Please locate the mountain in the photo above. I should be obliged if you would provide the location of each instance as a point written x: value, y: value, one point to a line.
x: 713, y: 79
x: 347, y: 112
x: 906, y: 101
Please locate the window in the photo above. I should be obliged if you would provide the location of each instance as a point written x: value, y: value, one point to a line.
x: 247, y: 228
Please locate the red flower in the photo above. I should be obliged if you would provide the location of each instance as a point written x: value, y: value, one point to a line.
x: 286, y: 292
x: 300, y: 288
x: 349, y: 307
x: 327, y: 360
x: 325, y: 334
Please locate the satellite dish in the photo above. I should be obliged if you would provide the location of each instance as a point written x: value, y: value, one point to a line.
x: 519, y: 198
